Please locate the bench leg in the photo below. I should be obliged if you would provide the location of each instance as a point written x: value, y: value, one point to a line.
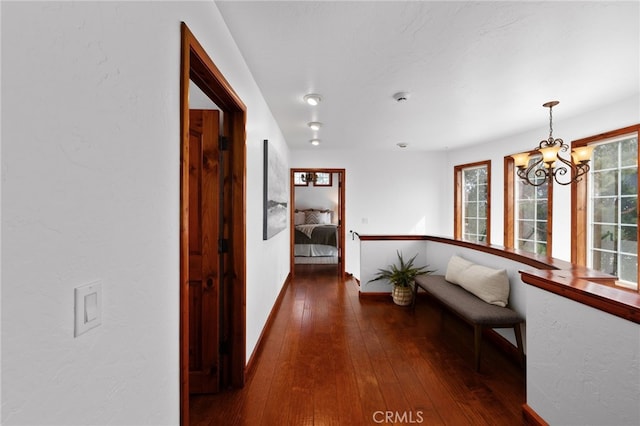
x: 518, y: 333
x: 477, y: 337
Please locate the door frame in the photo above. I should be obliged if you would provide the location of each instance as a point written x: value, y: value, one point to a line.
x: 197, y: 66
x: 341, y: 206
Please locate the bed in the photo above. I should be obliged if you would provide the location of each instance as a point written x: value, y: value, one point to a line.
x: 316, y: 237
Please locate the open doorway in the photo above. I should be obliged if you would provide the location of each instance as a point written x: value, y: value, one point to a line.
x: 317, y: 217
x: 212, y: 230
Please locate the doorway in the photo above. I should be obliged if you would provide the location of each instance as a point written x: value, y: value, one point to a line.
x: 317, y: 215
x: 223, y: 275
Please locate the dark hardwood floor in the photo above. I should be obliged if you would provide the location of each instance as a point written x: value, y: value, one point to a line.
x: 332, y: 358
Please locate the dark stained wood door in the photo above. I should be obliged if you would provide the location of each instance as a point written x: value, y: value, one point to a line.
x: 204, y: 261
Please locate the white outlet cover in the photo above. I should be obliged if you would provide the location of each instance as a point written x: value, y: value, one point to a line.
x: 88, y: 307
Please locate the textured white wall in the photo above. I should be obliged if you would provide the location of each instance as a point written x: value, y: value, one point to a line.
x: 583, y: 365
x: 381, y: 254
x: 90, y: 191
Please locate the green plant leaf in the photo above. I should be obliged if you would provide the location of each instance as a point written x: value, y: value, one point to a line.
x: 401, y: 273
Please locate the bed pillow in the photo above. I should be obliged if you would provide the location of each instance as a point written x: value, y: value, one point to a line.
x: 312, y: 217
x: 300, y: 218
x: 490, y: 285
x: 324, y: 218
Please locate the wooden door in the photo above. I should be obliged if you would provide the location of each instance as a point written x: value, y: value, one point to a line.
x: 204, y: 270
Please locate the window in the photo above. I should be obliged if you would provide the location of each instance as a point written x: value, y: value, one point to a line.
x: 317, y: 178
x: 471, y: 205
x: 613, y: 209
x: 322, y: 179
x: 300, y: 179
x: 606, y: 207
x: 528, y: 211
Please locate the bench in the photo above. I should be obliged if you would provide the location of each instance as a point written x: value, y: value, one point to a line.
x: 472, y: 310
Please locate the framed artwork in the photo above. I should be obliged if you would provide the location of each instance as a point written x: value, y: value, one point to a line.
x: 276, y: 195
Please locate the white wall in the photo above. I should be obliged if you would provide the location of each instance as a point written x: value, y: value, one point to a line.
x: 609, y: 117
x: 390, y: 192
x: 90, y: 191
x: 583, y: 365
x: 380, y: 254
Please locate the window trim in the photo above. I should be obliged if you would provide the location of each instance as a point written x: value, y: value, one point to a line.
x: 457, y: 198
x: 580, y: 199
x: 510, y: 205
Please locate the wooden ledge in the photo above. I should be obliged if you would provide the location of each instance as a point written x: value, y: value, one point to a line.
x: 621, y: 303
x: 584, y: 285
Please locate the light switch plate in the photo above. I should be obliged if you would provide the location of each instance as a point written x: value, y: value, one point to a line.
x: 88, y: 307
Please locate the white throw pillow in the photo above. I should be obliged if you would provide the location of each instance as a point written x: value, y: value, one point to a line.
x: 300, y: 218
x: 455, y: 268
x: 490, y: 285
x: 324, y: 218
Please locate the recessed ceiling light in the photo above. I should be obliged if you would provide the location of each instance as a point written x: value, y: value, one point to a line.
x: 314, y: 125
x: 315, y: 142
x: 312, y: 99
x: 402, y: 144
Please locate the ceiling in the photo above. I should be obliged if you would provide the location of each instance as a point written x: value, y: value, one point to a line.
x: 475, y: 71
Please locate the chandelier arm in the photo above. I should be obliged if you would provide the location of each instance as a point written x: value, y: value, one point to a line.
x: 563, y: 146
x: 581, y: 169
x: 529, y: 174
x: 567, y: 162
x: 577, y: 171
x: 546, y: 143
x: 561, y: 171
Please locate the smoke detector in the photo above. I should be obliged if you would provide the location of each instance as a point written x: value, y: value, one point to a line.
x: 401, y: 96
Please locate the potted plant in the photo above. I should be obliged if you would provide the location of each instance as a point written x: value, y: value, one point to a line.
x: 401, y: 275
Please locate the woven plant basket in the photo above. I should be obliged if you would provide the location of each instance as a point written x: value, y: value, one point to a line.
x: 402, y: 295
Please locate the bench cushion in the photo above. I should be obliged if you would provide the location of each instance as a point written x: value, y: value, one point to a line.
x: 466, y: 304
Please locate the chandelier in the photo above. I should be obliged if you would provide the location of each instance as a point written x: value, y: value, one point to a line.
x: 309, y: 177
x: 549, y: 151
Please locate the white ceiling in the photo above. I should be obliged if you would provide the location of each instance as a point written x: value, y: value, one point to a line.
x: 476, y: 71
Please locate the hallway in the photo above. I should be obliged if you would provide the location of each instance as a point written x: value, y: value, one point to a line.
x: 332, y: 358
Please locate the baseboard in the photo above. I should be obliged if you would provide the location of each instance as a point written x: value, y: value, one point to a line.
x: 257, y: 350
x: 531, y: 418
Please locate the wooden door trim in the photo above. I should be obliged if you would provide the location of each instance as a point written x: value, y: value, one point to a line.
x: 196, y: 65
x: 341, y: 201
